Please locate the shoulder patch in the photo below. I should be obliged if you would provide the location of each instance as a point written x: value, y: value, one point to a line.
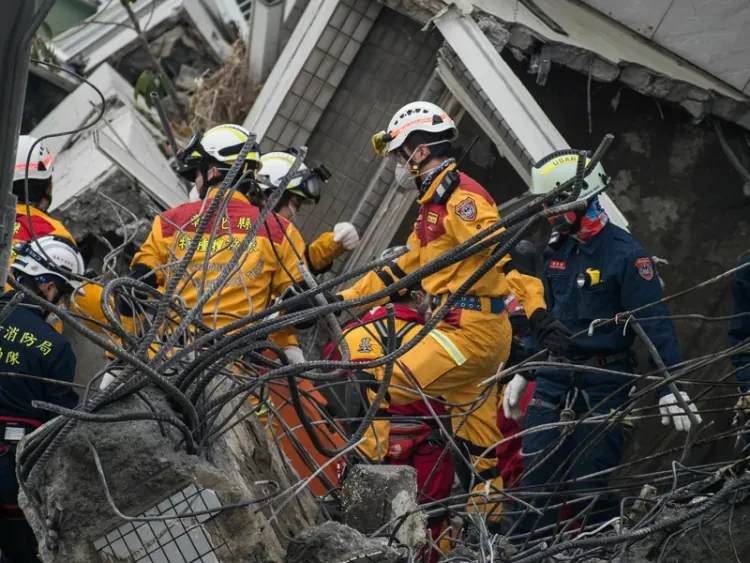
x: 645, y: 268
x: 467, y: 209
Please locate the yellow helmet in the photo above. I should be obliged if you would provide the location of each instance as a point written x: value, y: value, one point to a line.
x: 218, y: 146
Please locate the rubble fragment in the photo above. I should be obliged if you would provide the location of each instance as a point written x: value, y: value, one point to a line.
x: 384, y: 498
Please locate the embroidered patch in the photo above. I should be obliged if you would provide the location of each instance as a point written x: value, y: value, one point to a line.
x: 645, y: 269
x: 365, y: 345
x: 432, y: 218
x: 557, y: 265
x: 467, y: 209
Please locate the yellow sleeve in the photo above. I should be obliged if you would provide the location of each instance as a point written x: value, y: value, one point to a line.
x: 153, y: 252
x: 375, y: 281
x: 321, y: 253
x: 290, y: 251
x: 285, y: 337
x: 528, y: 289
x: 87, y: 302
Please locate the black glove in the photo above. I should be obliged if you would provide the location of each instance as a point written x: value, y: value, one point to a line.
x: 308, y: 303
x: 549, y: 332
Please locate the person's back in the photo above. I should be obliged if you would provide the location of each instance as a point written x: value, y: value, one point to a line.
x: 30, y: 346
x: 269, y: 264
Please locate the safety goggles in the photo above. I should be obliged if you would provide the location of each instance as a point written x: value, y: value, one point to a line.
x: 310, y: 184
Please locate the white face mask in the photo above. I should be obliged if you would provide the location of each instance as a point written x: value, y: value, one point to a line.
x: 404, y: 176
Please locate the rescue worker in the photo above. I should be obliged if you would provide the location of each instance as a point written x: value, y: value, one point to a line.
x: 270, y: 265
x: 405, y: 434
x: 474, y: 338
x: 509, y: 459
x: 739, y: 329
x: 268, y: 268
x: 303, y: 188
x: 32, y: 220
x: 593, y: 270
x: 30, y: 346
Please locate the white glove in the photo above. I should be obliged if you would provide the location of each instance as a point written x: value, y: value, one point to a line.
x: 106, y: 380
x: 671, y: 411
x: 346, y: 234
x: 294, y: 354
x: 512, y: 397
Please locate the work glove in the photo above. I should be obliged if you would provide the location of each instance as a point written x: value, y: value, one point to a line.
x: 107, y: 379
x: 549, y: 332
x: 294, y: 355
x: 670, y: 410
x: 346, y: 234
x: 743, y: 403
x: 512, y: 397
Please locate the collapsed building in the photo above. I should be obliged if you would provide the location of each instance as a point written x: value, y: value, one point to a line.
x: 523, y: 79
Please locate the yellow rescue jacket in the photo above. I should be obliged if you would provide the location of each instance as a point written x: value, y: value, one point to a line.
x: 36, y: 223
x: 438, y: 229
x: 267, y: 269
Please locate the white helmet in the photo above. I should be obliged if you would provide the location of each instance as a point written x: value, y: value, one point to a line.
x: 559, y: 167
x: 52, y: 256
x: 222, y: 144
x: 416, y: 116
x: 305, y: 183
x: 40, y: 163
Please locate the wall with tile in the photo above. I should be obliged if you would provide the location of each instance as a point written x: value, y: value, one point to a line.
x: 389, y: 70
x: 322, y: 73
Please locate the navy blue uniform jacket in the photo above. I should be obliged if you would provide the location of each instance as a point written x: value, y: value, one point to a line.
x: 627, y: 281
x: 29, y: 345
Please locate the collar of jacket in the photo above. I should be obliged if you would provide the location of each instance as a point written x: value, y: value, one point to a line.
x: 235, y: 195
x: 590, y: 246
x: 435, y: 183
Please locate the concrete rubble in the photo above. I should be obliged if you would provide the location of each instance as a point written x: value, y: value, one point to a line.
x: 383, y: 499
x: 143, y: 469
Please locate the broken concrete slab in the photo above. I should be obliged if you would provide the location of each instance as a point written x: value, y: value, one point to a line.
x: 335, y: 543
x: 383, y: 498
x: 144, y: 469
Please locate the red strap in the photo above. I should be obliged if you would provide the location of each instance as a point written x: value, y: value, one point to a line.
x: 29, y: 421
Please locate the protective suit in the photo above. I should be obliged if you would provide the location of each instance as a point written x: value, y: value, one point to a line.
x: 32, y: 347
x: 270, y: 265
x: 403, y: 433
x: 471, y: 342
x: 593, y: 270
x: 35, y: 165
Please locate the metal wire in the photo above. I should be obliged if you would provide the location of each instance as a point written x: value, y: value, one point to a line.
x: 209, y: 374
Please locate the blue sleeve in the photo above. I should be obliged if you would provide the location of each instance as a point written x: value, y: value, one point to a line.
x: 640, y: 286
x: 63, y: 369
x: 739, y: 329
